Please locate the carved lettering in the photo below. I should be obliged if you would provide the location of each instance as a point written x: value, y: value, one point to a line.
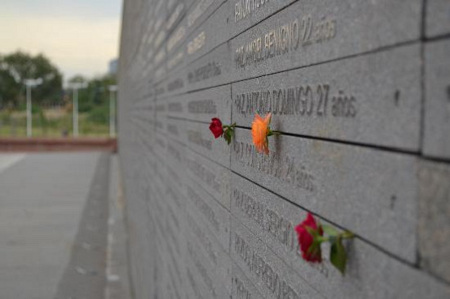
x: 244, y: 8
x: 202, y: 107
x: 204, y: 240
x: 201, y: 269
x: 210, y: 70
x: 174, y: 85
x: 197, y: 43
x: 262, y: 270
x: 204, y: 208
x: 284, y: 168
x: 283, y: 39
x: 198, y: 11
x: 203, y: 173
x: 196, y: 138
x: 241, y: 291
x: 303, y: 100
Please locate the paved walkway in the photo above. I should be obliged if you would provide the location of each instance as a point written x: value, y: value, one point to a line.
x: 53, y: 225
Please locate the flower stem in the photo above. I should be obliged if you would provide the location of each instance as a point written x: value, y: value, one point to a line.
x: 347, y: 235
x: 271, y: 133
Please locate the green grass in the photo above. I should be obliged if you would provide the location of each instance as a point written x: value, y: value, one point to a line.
x: 15, y: 125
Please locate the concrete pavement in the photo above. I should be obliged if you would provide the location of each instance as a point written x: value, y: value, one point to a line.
x: 53, y: 225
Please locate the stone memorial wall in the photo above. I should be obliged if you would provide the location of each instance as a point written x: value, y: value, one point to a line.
x: 360, y: 91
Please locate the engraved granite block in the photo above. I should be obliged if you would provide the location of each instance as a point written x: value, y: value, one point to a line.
x: 241, y: 286
x: 214, y: 178
x: 351, y: 99
x: 207, y: 250
x: 436, y: 141
x: 209, y: 213
x: 244, y: 14
x: 196, y: 288
x: 307, y: 32
x: 199, y: 138
x: 437, y: 17
x: 434, y: 223
x: 212, y: 33
x: 272, y: 219
x: 199, y: 12
x: 202, y: 105
x: 368, y: 191
x: 210, y: 70
x: 176, y: 42
x: 272, y: 277
x: 174, y: 84
x: 176, y: 11
x: 214, y: 285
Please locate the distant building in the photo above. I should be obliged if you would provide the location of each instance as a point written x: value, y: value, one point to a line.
x: 112, y: 69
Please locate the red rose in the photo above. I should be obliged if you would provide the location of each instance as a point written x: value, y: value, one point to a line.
x: 305, y: 239
x: 216, y: 127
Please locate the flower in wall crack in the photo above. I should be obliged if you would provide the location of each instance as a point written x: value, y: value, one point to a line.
x: 308, y: 233
x: 260, y: 133
x: 310, y: 237
x: 219, y: 130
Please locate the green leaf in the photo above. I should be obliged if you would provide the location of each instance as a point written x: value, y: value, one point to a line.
x: 228, y: 133
x: 330, y: 230
x: 338, y: 256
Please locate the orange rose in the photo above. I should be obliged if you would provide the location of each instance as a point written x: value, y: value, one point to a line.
x: 260, y: 132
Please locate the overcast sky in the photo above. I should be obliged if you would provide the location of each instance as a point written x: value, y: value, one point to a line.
x: 79, y: 36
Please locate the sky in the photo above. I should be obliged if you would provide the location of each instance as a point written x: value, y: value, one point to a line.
x: 78, y: 36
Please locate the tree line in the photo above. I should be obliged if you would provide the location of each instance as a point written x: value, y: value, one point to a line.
x: 17, y: 67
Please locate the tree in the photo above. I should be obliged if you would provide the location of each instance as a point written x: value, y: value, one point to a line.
x: 95, y: 95
x: 15, y: 68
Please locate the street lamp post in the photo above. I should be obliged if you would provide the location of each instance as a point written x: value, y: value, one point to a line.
x: 75, y: 112
x: 112, y: 110
x: 75, y: 86
x: 29, y: 84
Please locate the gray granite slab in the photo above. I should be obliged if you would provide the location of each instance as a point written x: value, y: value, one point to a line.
x: 175, y: 59
x: 436, y: 142
x: 176, y: 155
x: 176, y: 42
x: 175, y: 84
x: 199, y: 12
x: 272, y: 277
x: 159, y: 142
x: 437, y: 17
x: 213, y: 258
x: 214, y: 178
x: 194, y: 16
x: 433, y: 221
x: 212, y: 33
x: 172, y: 268
x: 318, y: 32
x: 176, y: 12
x: 160, y: 89
x: 244, y: 14
x: 199, y: 138
x: 368, y: 191
x: 195, y: 288
x: 273, y: 220
x: 173, y: 130
x: 202, y: 105
x: 209, y: 213
x: 213, y: 286
x: 352, y: 99
x: 241, y: 286
x: 210, y: 70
